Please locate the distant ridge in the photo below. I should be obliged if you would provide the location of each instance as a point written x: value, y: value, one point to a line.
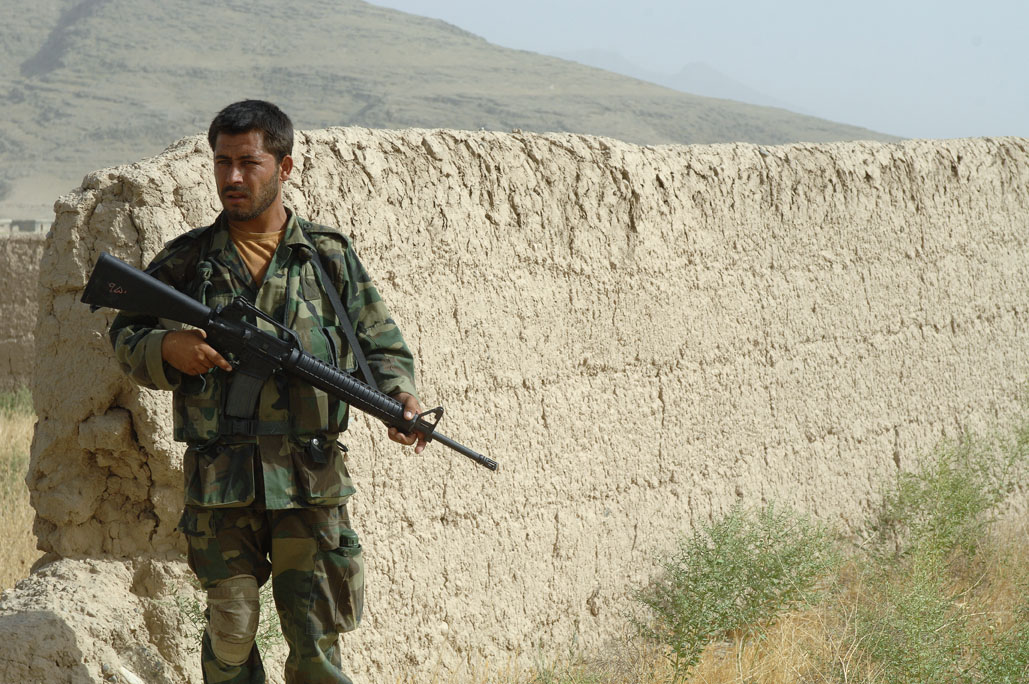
x: 92, y: 83
x: 697, y: 78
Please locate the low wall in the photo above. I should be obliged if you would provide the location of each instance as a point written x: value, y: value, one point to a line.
x: 642, y: 336
x: 19, y: 273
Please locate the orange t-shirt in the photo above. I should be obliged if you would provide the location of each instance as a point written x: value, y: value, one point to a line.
x: 256, y: 249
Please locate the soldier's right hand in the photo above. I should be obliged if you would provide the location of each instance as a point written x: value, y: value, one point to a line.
x: 187, y: 351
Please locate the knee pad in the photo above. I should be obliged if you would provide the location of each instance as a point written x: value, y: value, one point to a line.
x: 234, y: 613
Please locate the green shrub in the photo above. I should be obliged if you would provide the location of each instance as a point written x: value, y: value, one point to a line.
x: 947, y: 505
x: 913, y: 630
x: 934, y: 548
x: 1006, y: 659
x: 16, y: 402
x: 732, y: 578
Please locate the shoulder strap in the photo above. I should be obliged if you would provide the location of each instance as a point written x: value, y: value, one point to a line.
x: 341, y: 313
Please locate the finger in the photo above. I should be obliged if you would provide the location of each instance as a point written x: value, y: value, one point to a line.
x: 411, y: 406
x: 397, y: 436
x: 415, y: 439
x: 213, y: 358
x: 401, y: 437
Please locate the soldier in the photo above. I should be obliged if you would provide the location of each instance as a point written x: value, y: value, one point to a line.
x: 266, y: 496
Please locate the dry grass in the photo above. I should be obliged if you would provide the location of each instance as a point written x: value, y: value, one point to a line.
x: 16, y: 423
x: 819, y: 645
x: 825, y: 643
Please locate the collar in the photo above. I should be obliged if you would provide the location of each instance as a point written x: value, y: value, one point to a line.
x: 223, y: 250
x: 295, y: 237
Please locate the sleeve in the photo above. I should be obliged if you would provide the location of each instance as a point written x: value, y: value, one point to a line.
x: 137, y: 338
x: 137, y: 346
x: 389, y: 358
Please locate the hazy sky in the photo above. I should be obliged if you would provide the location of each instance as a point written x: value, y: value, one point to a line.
x: 914, y: 68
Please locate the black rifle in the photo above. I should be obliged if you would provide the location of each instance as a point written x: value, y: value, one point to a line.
x: 254, y: 353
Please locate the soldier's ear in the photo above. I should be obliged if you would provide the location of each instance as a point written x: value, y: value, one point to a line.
x: 285, y: 168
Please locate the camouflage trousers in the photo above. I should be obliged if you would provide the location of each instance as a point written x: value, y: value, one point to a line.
x: 317, y: 571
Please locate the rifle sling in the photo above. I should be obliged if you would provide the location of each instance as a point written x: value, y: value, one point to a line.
x: 245, y: 387
x: 341, y: 314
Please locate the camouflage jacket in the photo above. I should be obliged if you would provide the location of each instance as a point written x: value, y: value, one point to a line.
x: 289, y: 456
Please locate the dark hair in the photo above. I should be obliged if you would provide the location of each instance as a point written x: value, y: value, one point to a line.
x: 250, y: 115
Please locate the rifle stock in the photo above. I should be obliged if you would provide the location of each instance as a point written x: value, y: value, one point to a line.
x: 117, y: 285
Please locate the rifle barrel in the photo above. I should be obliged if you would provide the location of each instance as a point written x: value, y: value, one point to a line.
x: 344, y: 386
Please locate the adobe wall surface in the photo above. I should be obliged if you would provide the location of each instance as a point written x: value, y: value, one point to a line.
x: 19, y: 271
x: 641, y: 336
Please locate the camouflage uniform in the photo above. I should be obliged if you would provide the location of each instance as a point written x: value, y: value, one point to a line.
x: 267, y: 497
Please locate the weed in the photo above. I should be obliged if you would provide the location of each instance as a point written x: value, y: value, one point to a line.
x: 936, y: 596
x: 731, y: 578
x: 945, y: 507
x: 18, y: 402
x: 924, y: 616
x: 1006, y: 659
x: 16, y: 424
x: 565, y: 673
x: 913, y: 629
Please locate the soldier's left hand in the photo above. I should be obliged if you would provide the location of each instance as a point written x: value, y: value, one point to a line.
x: 411, y: 409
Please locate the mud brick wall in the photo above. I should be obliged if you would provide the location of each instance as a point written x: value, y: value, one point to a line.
x: 642, y: 336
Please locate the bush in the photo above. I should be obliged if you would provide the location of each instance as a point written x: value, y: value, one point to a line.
x: 18, y: 402
x: 913, y: 629
x: 947, y: 506
x: 731, y: 578
x: 1006, y: 659
x: 933, y: 557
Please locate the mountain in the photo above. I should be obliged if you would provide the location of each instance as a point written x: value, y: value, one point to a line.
x: 92, y: 83
x: 703, y: 79
x: 697, y: 78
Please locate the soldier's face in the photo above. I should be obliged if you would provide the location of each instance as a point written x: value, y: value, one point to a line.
x: 248, y: 177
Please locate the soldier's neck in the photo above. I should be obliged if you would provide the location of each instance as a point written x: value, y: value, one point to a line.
x: 271, y: 220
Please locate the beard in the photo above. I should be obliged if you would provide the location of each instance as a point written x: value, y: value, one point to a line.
x: 266, y: 194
